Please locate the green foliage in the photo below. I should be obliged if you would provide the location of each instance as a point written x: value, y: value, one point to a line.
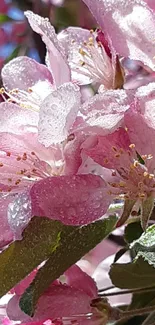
x: 75, y: 242
x: 132, y: 275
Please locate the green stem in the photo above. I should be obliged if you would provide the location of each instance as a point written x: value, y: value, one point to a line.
x: 124, y: 292
x: 106, y: 289
x: 136, y: 312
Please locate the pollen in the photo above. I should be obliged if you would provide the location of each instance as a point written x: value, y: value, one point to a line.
x: 8, y: 154
x: 132, y: 146
x: 117, y: 155
x: 82, y: 63
x: 24, y: 156
x: 114, y: 149
x: 18, y: 181
x: 142, y: 195
x: 122, y: 184
x: 146, y: 174
x: 2, y: 90
x: 136, y: 164
x: 151, y: 176
x: 82, y: 52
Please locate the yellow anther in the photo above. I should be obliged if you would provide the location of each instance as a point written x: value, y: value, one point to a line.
x: 136, y: 163
x: 91, y: 39
x: 121, y: 151
x: 30, y: 90
x: 2, y: 90
x: 82, y: 52
x: 126, y: 129
x: 144, y: 157
x: 142, y: 195
x: 82, y: 63
x: 114, y: 148
x: 114, y: 184
x: 149, y: 156
x: 146, y: 174
x: 91, y: 31
x: 122, y: 184
x: 151, y: 176
x: 132, y: 146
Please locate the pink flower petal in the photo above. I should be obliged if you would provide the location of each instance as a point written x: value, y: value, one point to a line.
x: 72, y: 40
x: 58, y: 113
x: 151, y: 4
x: 56, y: 54
x: 59, y: 301
x: 104, y: 113
x: 78, y: 279
x: 72, y: 154
x: 23, y: 160
x: 22, y: 286
x: 75, y: 200
x: 141, y: 133
x: 130, y: 25
x: 14, y: 118
x: 106, y: 148
x: 24, y: 72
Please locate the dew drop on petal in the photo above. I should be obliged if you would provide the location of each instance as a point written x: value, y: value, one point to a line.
x: 19, y: 214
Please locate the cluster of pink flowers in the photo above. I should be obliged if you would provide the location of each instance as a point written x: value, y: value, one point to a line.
x: 75, y: 135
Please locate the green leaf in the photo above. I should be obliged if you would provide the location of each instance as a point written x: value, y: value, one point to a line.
x: 132, y: 275
x: 120, y: 253
x: 75, y: 242
x: 145, y: 246
x: 132, y: 232
x: 4, y: 19
x: 39, y: 240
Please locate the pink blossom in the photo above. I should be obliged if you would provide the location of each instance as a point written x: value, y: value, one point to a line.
x: 130, y: 25
x: 75, y: 53
x: 87, y: 55
x: 120, y: 151
x: 68, y: 301
x: 73, y: 199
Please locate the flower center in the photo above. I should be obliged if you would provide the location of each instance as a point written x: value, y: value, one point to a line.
x: 93, y: 61
x: 26, y: 99
x: 18, y: 171
x: 136, y: 180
